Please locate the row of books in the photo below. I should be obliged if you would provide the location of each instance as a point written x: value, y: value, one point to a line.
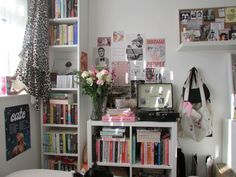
x: 63, y: 142
x: 61, y: 163
x: 151, y: 146
x: 63, y: 34
x: 59, y: 113
x: 63, y: 8
x: 66, y: 81
x: 155, y: 153
x: 113, y: 151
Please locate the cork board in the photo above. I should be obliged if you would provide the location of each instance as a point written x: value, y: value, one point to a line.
x: 207, y: 24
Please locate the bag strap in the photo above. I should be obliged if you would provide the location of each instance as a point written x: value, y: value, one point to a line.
x: 189, y: 81
x: 193, y: 73
x: 202, y: 93
x: 187, y: 88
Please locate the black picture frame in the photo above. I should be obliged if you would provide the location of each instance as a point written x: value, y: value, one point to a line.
x: 155, y: 96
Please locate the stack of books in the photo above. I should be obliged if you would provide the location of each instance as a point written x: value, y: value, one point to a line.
x: 119, y: 115
x: 112, y: 145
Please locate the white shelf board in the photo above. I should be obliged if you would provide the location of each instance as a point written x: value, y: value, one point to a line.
x: 64, y: 89
x: 207, y: 45
x: 134, y: 124
x: 138, y: 165
x: 60, y: 125
x: 60, y: 154
x: 113, y: 164
x: 64, y: 20
x: 64, y: 48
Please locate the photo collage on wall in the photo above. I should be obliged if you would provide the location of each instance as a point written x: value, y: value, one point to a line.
x: 133, y: 59
x: 211, y: 24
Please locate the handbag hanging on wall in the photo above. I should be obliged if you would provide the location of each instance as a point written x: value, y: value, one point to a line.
x: 196, y: 118
x: 194, y: 91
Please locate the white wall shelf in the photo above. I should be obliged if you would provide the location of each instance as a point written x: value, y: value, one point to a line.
x: 207, y: 45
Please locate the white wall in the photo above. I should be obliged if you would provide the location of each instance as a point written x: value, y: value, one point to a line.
x: 159, y: 19
x: 30, y: 158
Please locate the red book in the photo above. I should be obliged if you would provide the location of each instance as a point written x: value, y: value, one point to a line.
x: 110, y: 151
x: 142, y: 153
x: 123, y: 151
x: 166, y: 144
x: 150, y: 153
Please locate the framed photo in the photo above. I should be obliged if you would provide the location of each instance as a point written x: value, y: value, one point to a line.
x: 232, y: 35
x: 155, y: 95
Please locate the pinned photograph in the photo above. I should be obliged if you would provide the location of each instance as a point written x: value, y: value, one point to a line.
x: 221, y: 12
x: 199, y: 14
x: 184, y: 16
x: 120, y: 71
x: 208, y: 15
x: 204, y: 31
x: 134, y: 54
x: 118, y: 46
x: 155, y: 49
x: 102, y: 56
x: 118, y: 36
x: 83, y: 61
x: 193, y: 14
x: 150, y: 75
x: 230, y: 15
x: 135, y: 43
x: 103, y: 41
x: 137, y: 70
x: 232, y: 35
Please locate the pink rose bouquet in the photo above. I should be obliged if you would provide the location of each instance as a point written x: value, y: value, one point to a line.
x: 96, y: 84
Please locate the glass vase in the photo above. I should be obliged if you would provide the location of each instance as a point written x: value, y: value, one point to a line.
x: 98, y: 107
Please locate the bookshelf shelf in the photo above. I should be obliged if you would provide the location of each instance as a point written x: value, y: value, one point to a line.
x: 64, y: 20
x: 207, y: 45
x: 96, y: 146
x: 59, y: 154
x: 64, y: 48
x: 60, y: 125
x: 63, y: 122
x: 139, y: 165
x: 114, y: 164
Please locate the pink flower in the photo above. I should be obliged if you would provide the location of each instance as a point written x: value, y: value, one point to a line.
x: 105, y: 72
x: 92, y: 73
x: 100, y: 82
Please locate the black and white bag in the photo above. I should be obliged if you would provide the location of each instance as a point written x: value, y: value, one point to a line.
x: 196, y: 118
x: 194, y: 90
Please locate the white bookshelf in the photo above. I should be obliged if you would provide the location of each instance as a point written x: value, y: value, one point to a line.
x: 170, y: 169
x: 207, y: 45
x: 61, y: 54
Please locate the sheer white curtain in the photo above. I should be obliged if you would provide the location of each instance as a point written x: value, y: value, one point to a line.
x: 13, y: 17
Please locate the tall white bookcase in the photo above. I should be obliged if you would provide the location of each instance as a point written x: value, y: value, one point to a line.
x: 170, y: 169
x: 58, y: 56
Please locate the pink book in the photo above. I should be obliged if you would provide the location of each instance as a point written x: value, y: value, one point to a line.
x: 107, y: 118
